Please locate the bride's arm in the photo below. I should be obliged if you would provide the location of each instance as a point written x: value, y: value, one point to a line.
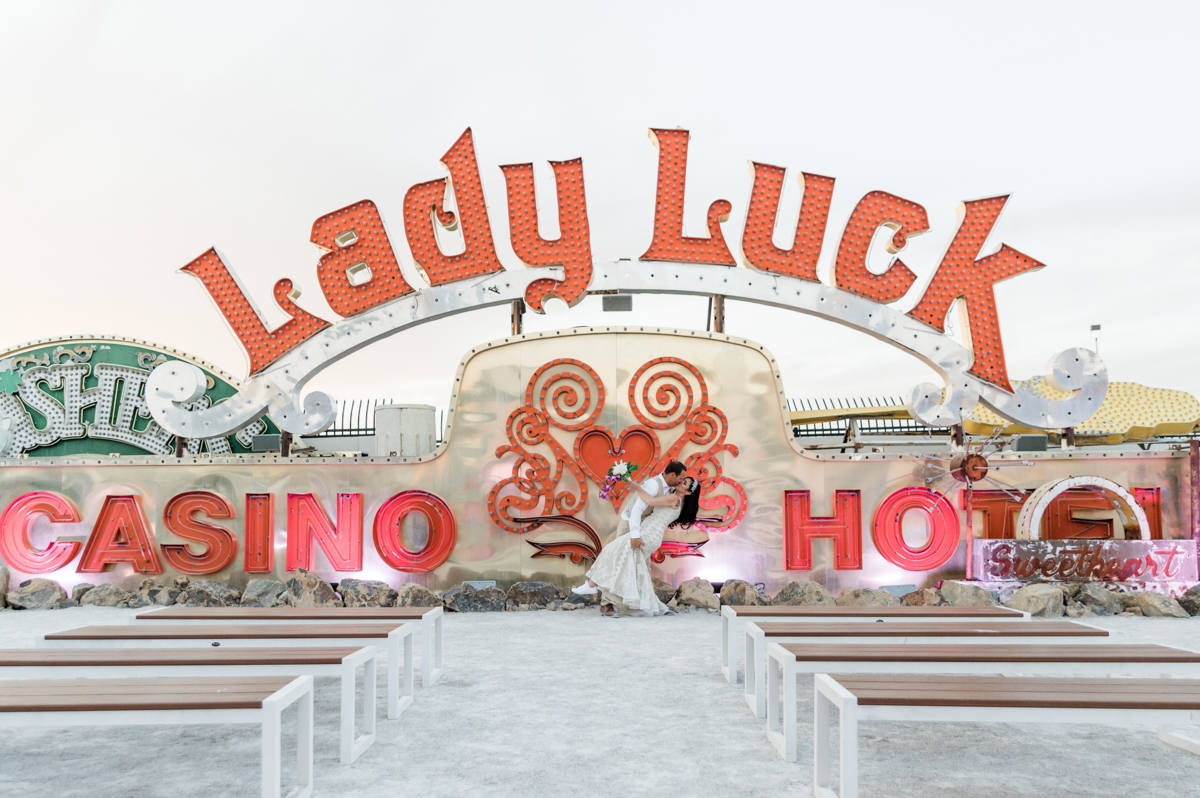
x: 666, y: 500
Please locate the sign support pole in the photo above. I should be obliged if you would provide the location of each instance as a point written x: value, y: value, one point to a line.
x: 717, y: 318
x: 1195, y: 462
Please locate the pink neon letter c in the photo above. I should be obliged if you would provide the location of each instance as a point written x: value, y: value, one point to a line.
x: 15, y: 546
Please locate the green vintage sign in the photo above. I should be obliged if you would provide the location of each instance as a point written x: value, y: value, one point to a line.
x: 86, y: 396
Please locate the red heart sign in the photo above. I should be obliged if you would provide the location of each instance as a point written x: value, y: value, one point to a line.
x: 596, y: 452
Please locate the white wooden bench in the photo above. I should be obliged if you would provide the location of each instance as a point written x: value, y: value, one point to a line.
x: 92, y: 663
x: 430, y: 619
x: 393, y: 639
x: 757, y: 636
x: 733, y: 614
x: 126, y: 702
x: 790, y: 661
x: 989, y: 699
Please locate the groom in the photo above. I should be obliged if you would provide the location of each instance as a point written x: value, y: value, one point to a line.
x: 634, y: 511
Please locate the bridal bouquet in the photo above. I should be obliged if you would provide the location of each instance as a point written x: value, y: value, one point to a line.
x: 620, y: 471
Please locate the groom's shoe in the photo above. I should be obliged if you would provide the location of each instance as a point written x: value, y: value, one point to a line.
x: 585, y: 589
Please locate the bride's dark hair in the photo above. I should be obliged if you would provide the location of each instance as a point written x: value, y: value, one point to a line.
x: 691, y: 505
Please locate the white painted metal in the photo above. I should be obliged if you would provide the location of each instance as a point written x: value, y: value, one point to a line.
x: 755, y: 691
x: 277, y: 390
x: 299, y: 691
x: 431, y: 628
x: 346, y: 673
x: 398, y: 646
x: 783, y: 670
x: 731, y: 631
x: 828, y: 694
x: 405, y: 430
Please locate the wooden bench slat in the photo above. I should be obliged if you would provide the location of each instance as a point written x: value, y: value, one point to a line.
x: 1000, y: 691
x: 61, y: 657
x: 227, y: 631
x: 985, y: 652
x: 872, y: 612
x: 99, y: 695
x: 285, y: 613
x: 918, y: 629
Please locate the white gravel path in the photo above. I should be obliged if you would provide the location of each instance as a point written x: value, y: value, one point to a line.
x: 562, y: 704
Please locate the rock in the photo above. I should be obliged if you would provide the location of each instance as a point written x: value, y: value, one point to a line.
x: 1039, y: 600
x: 698, y: 592
x: 523, y: 608
x: 366, y: 593
x: 414, y: 595
x: 208, y: 593
x: 1156, y: 605
x: 663, y: 590
x: 263, y: 593
x: 79, y: 590
x: 924, y: 598
x: 1099, y: 599
x: 590, y: 600
x: 570, y: 606
x: 865, y: 597
x: 1190, y: 601
x: 36, y: 594
x: 674, y: 604
x: 1132, y: 612
x: 742, y: 594
x: 803, y: 594
x: 306, y: 589
x: 66, y: 605
x: 957, y: 594
x: 159, y: 591
x: 4, y: 577
x: 535, y: 594
x: 109, y: 594
x: 465, y: 598
x: 1077, y: 610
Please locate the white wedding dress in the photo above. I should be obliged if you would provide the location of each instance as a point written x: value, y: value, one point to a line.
x: 622, y: 573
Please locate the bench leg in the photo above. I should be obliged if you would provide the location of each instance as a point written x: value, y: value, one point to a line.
x: 272, y: 747
x: 272, y: 756
x: 400, y: 658
x: 304, y: 747
x: 849, y: 735
x: 760, y: 675
x: 431, y: 656
x: 728, y: 650
x: 1178, y: 740
x: 752, y: 683
x: 781, y: 690
x: 352, y: 748
x: 822, y: 710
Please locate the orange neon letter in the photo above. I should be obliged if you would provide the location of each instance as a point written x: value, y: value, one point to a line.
x: 759, y: 251
x: 423, y: 210
x: 878, y: 209
x: 220, y: 546
x: 572, y: 249
x: 262, y: 347
x: 669, y: 241
x: 961, y: 276
x: 121, y: 534
x: 360, y: 270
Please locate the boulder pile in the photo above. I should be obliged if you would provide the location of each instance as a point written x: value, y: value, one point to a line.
x: 305, y: 589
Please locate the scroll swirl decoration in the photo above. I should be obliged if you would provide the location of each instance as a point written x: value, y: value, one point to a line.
x: 568, y: 395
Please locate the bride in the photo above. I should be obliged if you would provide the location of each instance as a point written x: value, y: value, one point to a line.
x: 621, y: 574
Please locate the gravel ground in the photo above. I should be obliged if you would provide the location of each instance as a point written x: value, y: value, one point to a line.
x: 562, y: 704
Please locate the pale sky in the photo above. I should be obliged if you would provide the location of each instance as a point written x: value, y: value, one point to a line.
x: 134, y: 136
